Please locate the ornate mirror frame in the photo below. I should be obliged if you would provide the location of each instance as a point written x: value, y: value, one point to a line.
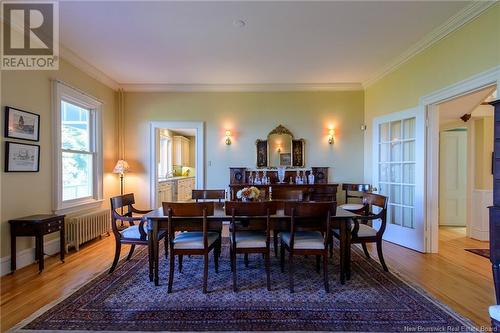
x: 297, y: 149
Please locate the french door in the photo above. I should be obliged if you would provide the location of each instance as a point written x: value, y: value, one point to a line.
x: 398, y: 173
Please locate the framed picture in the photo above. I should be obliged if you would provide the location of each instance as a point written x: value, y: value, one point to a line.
x: 261, y: 153
x: 21, y: 124
x: 298, y: 153
x: 21, y: 157
x: 285, y: 159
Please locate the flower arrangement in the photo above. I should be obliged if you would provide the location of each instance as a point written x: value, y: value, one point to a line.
x: 248, y: 193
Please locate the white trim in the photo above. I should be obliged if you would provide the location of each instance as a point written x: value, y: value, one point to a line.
x: 161, y: 87
x: 455, y: 22
x: 428, y: 104
x: 27, y: 257
x: 199, y: 127
x: 63, y: 91
x: 481, y: 200
x: 87, y: 68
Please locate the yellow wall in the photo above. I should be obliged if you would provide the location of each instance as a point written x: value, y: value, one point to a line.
x: 472, y: 49
x: 483, y: 129
x: 249, y: 116
x: 30, y: 193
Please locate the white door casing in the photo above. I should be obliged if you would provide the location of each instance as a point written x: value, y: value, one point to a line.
x: 398, y: 173
x: 453, y: 178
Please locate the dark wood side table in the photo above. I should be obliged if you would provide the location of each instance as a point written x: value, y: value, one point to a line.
x: 36, y: 226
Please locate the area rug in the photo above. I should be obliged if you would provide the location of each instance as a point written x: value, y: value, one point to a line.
x: 480, y: 252
x: 372, y: 301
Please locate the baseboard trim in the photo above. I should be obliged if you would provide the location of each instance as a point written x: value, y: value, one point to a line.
x: 27, y: 257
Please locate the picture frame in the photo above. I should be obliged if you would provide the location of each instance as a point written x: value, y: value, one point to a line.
x: 21, y: 157
x: 261, y: 146
x: 20, y: 124
x: 298, y: 153
x: 285, y: 159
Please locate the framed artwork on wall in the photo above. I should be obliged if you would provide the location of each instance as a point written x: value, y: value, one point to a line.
x: 21, y: 124
x: 21, y: 157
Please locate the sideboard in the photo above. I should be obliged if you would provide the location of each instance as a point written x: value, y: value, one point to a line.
x: 321, y: 190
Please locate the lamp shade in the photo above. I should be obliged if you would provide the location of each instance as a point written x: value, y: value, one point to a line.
x: 121, y: 167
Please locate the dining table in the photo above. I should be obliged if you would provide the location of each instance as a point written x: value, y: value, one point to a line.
x: 158, y: 221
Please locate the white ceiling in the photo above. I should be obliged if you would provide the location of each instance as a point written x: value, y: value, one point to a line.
x: 139, y: 42
x: 453, y: 109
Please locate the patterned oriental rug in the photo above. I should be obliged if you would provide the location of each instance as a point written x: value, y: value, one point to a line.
x: 480, y: 252
x: 372, y: 301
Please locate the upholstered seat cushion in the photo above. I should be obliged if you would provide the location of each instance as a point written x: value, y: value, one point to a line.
x: 363, y: 231
x: 250, y: 239
x: 351, y: 206
x: 494, y: 311
x: 132, y: 232
x: 193, y: 239
x: 304, y: 240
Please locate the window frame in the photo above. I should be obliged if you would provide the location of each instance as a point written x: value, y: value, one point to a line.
x: 63, y: 92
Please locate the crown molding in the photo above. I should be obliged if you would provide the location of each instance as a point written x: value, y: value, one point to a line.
x: 241, y: 87
x: 87, y: 68
x: 455, y: 22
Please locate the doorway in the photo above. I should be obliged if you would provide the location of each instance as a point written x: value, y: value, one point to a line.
x: 456, y: 113
x: 177, y: 161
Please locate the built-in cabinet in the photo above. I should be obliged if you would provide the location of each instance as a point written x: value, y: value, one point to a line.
x: 176, y: 189
x: 181, y: 151
x: 165, y: 192
x: 185, y: 187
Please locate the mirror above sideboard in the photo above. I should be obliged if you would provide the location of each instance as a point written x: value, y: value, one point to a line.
x: 280, y: 149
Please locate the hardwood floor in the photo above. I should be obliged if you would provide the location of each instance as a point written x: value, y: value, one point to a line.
x: 458, y: 278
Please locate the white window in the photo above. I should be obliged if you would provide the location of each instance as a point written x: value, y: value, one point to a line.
x: 165, y: 164
x: 78, y: 151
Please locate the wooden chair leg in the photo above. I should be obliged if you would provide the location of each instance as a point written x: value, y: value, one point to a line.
x: 171, y: 273
x: 117, y: 256
x: 381, y: 255
x: 275, y: 240
x: 318, y: 258
x: 268, y: 270
x: 231, y: 257
x: 150, y: 262
x: 180, y: 263
x: 131, y: 252
x: 205, y: 273
x: 233, y: 263
x: 282, y: 258
x: 325, y: 272
x: 290, y: 271
x: 216, y: 260
x: 365, y: 250
x: 330, y: 245
x: 246, y: 259
x: 166, y: 247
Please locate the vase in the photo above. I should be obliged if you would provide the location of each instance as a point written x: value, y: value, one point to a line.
x: 281, y: 174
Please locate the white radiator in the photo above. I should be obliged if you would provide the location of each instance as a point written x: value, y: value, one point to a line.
x: 82, y: 227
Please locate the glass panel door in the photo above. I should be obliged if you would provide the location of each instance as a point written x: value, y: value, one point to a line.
x: 398, y: 174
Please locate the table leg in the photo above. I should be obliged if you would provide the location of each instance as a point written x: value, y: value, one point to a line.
x: 342, y: 251
x: 40, y: 253
x: 348, y: 250
x: 154, y: 239
x: 62, y: 242
x: 12, y: 249
x: 150, y: 254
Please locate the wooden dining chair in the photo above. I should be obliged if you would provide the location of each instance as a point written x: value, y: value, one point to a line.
x: 205, y: 195
x: 135, y: 234
x: 315, y: 217
x: 284, y: 195
x: 248, y: 233
x: 354, y: 191
x: 362, y: 231
x: 196, y: 239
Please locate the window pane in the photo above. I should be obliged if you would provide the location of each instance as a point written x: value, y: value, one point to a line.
x: 409, y: 128
x: 395, y: 196
x: 75, y: 127
x: 396, y: 152
x: 384, y: 132
x: 409, y: 173
x: 395, y: 130
x: 384, y: 172
x: 395, y: 173
x: 408, y: 217
x: 76, y: 175
x: 409, y: 151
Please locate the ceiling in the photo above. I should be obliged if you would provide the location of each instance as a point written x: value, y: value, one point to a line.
x: 452, y: 110
x: 138, y: 42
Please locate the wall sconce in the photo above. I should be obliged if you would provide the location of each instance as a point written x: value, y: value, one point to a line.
x: 279, y: 148
x: 331, y: 133
x: 228, y: 137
